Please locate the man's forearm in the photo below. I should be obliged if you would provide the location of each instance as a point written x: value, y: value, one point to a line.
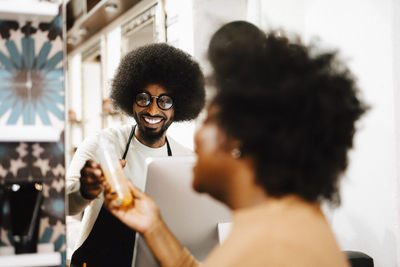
x: 76, y: 203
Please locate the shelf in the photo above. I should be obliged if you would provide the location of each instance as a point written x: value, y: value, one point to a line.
x: 42, y: 11
x: 99, y: 16
x: 31, y: 260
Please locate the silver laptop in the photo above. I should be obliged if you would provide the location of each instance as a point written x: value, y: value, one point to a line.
x: 192, y: 217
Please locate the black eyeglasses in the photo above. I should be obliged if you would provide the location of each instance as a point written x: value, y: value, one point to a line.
x: 144, y: 99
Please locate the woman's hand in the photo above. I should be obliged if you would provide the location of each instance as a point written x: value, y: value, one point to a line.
x: 142, y: 215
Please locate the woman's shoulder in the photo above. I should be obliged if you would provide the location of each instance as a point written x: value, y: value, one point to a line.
x: 287, y: 235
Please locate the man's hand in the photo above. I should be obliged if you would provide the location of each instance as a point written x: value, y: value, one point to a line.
x: 91, y: 180
x: 123, y: 163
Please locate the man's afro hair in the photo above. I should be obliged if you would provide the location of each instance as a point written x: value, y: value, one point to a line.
x: 163, y: 65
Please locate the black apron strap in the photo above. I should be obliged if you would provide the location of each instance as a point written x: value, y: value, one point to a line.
x: 168, y: 147
x: 132, y: 134
x: 129, y: 141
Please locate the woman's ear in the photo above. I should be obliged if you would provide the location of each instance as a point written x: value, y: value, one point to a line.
x: 235, y: 147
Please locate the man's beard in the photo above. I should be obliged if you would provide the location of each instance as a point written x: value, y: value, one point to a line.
x: 152, y: 137
x: 148, y: 136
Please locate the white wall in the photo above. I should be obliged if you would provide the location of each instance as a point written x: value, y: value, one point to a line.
x: 208, y: 16
x: 363, y: 32
x: 92, y: 98
x: 396, y: 79
x: 74, y: 101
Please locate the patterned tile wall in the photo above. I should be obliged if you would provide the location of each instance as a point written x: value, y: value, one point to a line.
x: 35, y: 49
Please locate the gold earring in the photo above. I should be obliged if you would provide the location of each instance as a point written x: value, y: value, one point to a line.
x: 236, y: 153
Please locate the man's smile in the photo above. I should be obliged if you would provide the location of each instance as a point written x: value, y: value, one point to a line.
x: 152, y: 121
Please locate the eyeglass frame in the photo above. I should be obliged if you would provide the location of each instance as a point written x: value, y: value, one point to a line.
x: 151, y: 100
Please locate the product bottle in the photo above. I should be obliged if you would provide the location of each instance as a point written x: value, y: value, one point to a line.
x: 112, y: 170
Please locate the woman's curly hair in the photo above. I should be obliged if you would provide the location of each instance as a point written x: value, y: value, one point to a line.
x: 292, y: 109
x: 166, y: 66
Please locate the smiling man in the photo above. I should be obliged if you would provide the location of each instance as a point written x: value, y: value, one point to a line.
x: 155, y: 84
x: 153, y: 119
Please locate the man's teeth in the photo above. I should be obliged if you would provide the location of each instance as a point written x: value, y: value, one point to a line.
x: 153, y: 120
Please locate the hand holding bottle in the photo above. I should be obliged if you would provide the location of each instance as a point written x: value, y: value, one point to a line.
x: 91, y: 180
x: 112, y: 171
x: 142, y: 216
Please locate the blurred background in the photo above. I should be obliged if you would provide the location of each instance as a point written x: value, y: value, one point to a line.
x: 57, y: 60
